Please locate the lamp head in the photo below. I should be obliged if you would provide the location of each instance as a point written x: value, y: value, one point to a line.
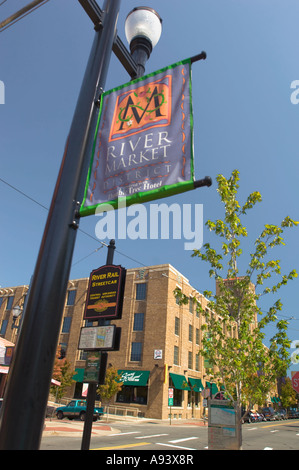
x: 143, y: 22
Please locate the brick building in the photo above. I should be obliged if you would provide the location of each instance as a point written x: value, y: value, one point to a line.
x: 159, y: 347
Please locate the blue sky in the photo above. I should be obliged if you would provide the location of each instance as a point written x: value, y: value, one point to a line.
x: 243, y: 119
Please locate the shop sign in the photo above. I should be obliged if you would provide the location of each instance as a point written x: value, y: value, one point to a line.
x: 105, y: 293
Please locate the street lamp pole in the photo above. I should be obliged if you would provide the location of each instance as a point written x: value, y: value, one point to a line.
x: 29, y: 380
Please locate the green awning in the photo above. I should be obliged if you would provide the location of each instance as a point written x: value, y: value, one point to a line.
x: 134, y: 377
x: 212, y: 387
x: 275, y: 400
x: 78, y: 375
x: 196, y: 384
x: 179, y: 381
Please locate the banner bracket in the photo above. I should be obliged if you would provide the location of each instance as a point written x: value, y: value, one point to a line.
x: 206, y: 181
x: 76, y: 216
x: 201, y: 56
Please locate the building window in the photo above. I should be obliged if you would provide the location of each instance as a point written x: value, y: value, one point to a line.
x: 9, y: 302
x: 63, y: 348
x: 197, y: 361
x: 71, y: 297
x: 197, y: 336
x: 3, y: 327
x: 177, y: 299
x: 177, y: 326
x: 177, y: 394
x: 191, y: 304
x: 129, y: 394
x: 141, y: 291
x: 138, y: 322
x: 190, y: 332
x: 1, y: 301
x: 190, y: 361
x: 66, y: 324
x: 176, y: 355
x: 136, y: 350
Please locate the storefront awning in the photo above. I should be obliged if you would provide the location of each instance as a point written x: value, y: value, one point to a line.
x: 134, y: 377
x: 213, y: 387
x: 179, y: 381
x: 196, y: 385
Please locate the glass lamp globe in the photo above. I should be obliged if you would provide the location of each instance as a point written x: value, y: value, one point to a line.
x: 143, y: 22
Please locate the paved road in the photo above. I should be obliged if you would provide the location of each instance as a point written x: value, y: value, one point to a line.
x: 156, y: 436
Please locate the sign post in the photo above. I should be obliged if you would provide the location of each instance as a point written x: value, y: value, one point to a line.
x: 170, y: 401
x: 104, y: 302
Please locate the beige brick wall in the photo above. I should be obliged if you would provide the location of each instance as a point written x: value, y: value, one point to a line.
x: 160, y: 310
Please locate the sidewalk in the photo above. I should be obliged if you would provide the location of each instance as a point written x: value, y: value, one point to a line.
x: 71, y: 428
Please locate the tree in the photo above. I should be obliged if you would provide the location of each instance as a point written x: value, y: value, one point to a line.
x: 234, y: 325
x: 288, y: 396
x: 111, y: 386
x: 62, y: 372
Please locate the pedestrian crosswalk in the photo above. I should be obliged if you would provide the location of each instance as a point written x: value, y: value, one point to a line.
x: 150, y: 439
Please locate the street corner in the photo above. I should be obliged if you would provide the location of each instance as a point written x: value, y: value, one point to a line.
x: 72, y: 428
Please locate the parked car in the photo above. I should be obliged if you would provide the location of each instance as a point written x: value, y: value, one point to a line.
x: 252, y: 417
x: 268, y: 413
x: 77, y: 409
x: 283, y: 414
x: 293, y: 414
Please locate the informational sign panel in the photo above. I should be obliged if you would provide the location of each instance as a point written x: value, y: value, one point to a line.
x: 97, y: 338
x: 224, y: 432
x: 105, y: 293
x: 92, y: 367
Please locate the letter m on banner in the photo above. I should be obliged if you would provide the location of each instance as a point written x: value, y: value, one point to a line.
x: 143, y: 145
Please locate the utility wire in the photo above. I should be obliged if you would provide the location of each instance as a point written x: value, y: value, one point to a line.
x: 82, y: 231
x: 20, y: 14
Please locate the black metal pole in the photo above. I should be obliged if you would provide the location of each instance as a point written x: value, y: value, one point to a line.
x: 92, y: 387
x: 29, y: 379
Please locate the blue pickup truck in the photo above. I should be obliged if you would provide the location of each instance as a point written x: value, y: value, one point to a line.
x: 77, y: 409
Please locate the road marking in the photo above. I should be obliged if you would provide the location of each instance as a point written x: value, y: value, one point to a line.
x: 153, y: 435
x: 251, y: 429
x: 185, y: 439
x: 124, y: 446
x: 125, y: 433
x: 268, y: 448
x: 176, y: 447
x: 275, y: 430
x: 285, y: 423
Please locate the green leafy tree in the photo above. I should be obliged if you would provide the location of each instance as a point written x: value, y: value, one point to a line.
x: 234, y: 325
x: 288, y: 395
x: 112, y: 385
x: 63, y: 372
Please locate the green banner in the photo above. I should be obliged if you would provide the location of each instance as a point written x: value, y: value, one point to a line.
x: 143, y: 145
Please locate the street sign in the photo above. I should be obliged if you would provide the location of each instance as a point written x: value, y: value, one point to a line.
x: 170, y: 397
x: 105, y: 293
x: 295, y: 381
